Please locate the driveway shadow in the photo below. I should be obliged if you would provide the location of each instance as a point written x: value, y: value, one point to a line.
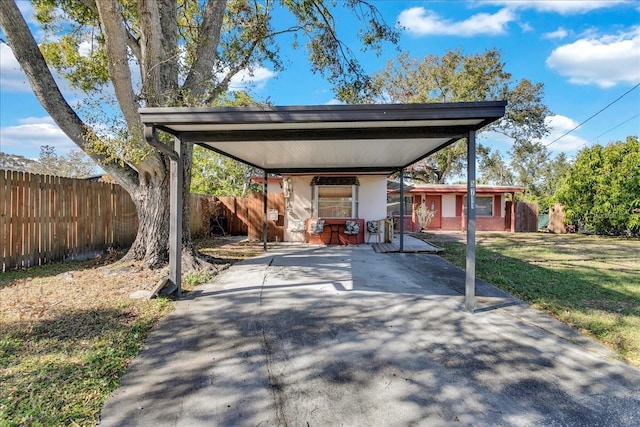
x: 344, y: 336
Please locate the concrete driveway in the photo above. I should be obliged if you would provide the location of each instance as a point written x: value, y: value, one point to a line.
x: 344, y: 336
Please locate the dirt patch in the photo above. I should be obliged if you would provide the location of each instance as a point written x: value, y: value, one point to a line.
x: 43, y: 292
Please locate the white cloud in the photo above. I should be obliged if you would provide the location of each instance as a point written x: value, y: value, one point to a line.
x: 526, y: 27
x: 12, y: 78
x: 256, y: 78
x: 420, y: 21
x: 33, y: 132
x: 558, y: 34
x: 559, y: 125
x: 563, y: 7
x: 605, y: 61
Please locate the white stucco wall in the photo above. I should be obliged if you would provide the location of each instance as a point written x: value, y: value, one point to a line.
x: 298, y: 207
x: 372, y: 202
x: 448, y: 205
x: 372, y: 197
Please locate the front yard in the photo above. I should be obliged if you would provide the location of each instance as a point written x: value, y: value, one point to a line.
x: 69, y: 330
x: 589, y: 282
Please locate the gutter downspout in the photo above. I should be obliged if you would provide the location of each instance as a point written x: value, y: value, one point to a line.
x: 175, y: 205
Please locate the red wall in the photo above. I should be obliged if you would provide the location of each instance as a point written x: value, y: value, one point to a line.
x: 483, y: 223
x: 341, y: 238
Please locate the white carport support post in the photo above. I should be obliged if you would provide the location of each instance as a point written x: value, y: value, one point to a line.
x: 175, y: 219
x: 470, y: 279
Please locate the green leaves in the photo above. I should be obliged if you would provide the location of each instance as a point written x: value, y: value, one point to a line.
x: 217, y: 175
x: 602, y: 190
x: 456, y: 77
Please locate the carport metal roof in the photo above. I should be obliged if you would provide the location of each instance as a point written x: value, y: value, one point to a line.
x: 380, y: 138
x: 326, y: 139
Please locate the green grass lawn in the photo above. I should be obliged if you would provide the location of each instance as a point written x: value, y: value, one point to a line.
x: 69, y: 330
x: 589, y: 282
x: 67, y: 334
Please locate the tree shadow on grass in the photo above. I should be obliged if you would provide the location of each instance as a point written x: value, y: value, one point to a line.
x: 71, y: 359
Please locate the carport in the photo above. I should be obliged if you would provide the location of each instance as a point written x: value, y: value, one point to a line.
x: 324, y: 139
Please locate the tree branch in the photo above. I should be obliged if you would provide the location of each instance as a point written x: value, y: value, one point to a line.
x: 168, y: 67
x: 151, y: 48
x: 119, y: 71
x: 45, y: 88
x: 207, y: 45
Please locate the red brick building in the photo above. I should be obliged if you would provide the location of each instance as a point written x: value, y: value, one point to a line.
x: 447, y: 202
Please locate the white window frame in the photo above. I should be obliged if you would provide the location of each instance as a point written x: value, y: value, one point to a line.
x: 354, y: 201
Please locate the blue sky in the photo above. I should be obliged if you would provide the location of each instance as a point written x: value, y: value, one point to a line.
x: 587, y: 54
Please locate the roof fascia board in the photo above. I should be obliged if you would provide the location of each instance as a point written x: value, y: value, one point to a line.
x: 458, y: 189
x: 335, y: 134
x: 378, y: 170
x: 165, y: 116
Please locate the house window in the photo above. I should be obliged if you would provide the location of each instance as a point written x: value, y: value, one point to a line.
x: 335, y: 197
x: 393, y: 205
x: 335, y: 201
x: 484, y: 205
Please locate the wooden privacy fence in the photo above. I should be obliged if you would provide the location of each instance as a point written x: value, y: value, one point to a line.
x: 526, y: 216
x: 244, y: 215
x: 45, y: 218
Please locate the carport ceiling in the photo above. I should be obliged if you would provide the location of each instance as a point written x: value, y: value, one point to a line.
x: 378, y: 138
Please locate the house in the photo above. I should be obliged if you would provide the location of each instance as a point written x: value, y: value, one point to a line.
x: 334, y: 199
x: 446, y: 206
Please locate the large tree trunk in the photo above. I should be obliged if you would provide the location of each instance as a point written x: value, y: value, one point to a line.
x: 151, y: 199
x: 148, y: 186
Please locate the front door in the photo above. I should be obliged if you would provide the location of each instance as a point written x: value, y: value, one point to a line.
x: 434, y: 203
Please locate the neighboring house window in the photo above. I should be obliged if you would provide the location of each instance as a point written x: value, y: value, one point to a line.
x: 335, y: 197
x: 393, y: 204
x: 484, y: 205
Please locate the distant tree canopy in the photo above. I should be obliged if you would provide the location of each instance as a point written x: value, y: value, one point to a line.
x: 15, y: 162
x: 601, y: 192
x: 456, y: 77
x: 218, y: 175
x: 74, y: 164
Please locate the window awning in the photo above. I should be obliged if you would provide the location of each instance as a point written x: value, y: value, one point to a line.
x: 378, y: 138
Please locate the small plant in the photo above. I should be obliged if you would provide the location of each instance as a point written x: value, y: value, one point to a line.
x: 196, y: 277
x: 424, y: 215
